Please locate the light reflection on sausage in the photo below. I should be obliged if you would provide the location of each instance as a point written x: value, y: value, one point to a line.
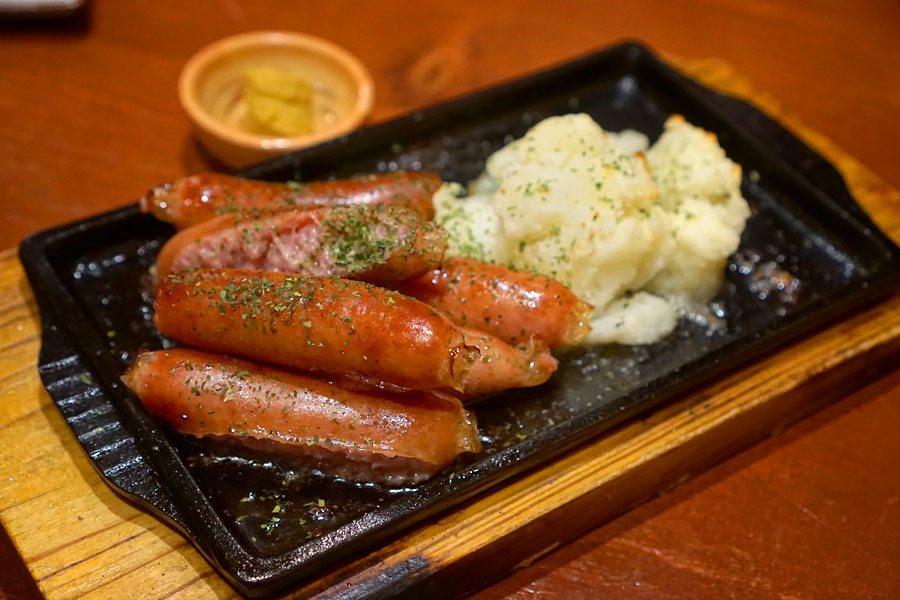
x: 512, y: 305
x: 367, y: 435
x: 191, y: 200
x: 316, y: 324
x: 502, y: 367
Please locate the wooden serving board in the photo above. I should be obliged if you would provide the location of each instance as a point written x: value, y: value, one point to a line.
x: 78, y: 538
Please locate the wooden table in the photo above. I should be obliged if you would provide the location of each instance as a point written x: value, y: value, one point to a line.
x: 89, y: 119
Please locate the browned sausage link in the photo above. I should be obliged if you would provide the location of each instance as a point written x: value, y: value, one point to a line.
x: 191, y: 200
x: 502, y: 367
x: 396, y: 438
x: 512, y: 305
x: 381, y: 244
x: 316, y: 324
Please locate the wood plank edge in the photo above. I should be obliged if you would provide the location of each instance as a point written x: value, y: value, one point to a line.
x: 421, y: 576
x: 657, y: 476
x: 766, y: 385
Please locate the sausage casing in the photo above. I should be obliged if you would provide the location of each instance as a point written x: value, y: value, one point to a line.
x: 368, y: 435
x: 512, y: 305
x: 381, y: 244
x: 316, y: 324
x: 502, y: 367
x: 191, y: 200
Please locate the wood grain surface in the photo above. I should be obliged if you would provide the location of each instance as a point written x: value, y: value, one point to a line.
x: 89, y: 119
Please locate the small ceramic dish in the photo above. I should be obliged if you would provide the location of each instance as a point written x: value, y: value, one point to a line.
x: 212, y: 83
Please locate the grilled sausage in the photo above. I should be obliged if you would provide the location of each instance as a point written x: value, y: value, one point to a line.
x: 502, y: 367
x: 191, y: 200
x: 316, y: 324
x: 381, y: 244
x: 371, y: 436
x: 512, y: 305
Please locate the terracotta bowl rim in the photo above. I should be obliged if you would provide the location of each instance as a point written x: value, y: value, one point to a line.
x: 196, y: 66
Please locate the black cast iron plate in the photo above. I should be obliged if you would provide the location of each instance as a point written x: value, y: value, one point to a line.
x: 90, y: 279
